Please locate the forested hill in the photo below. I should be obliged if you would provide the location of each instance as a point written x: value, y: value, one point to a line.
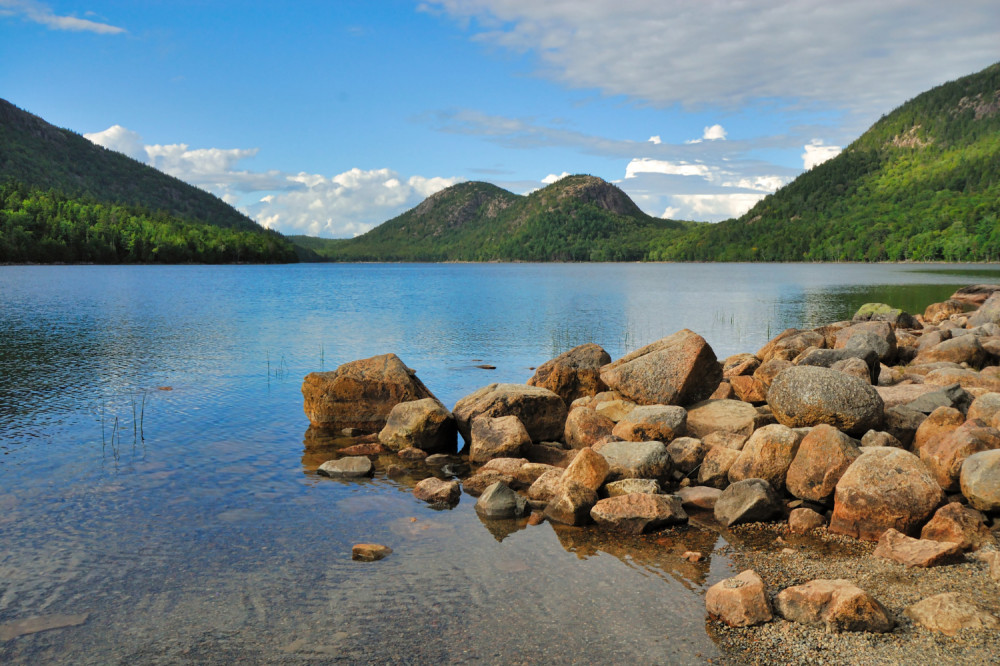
x: 922, y: 184
x: 578, y: 218
x: 66, y: 199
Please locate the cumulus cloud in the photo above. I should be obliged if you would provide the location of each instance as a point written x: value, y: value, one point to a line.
x: 38, y: 12
x: 817, y: 153
x: 656, y: 140
x: 648, y: 165
x: 551, y: 178
x: 710, y: 207
x: 868, y: 57
x: 714, y: 133
x: 345, y: 204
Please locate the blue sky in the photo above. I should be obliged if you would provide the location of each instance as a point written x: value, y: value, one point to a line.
x: 328, y: 118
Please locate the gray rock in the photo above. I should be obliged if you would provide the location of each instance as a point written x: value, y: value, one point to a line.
x: 807, y: 396
x: 826, y: 358
x: 498, y: 501
x: 980, y: 480
x: 636, y: 460
x: 349, y: 467
x: 747, y: 501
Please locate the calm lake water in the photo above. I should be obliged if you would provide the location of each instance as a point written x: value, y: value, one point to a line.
x: 156, y: 474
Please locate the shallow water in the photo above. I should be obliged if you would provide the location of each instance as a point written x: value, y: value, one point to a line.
x: 156, y: 476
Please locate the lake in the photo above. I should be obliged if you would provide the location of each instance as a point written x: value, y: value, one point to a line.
x: 158, y: 490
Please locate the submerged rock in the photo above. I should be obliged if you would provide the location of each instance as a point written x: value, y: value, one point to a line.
x: 349, y: 467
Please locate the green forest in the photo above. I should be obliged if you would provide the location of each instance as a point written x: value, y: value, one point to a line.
x: 45, y: 226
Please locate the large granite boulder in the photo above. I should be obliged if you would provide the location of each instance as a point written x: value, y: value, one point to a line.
x: 638, y: 512
x: 963, y: 349
x: 822, y: 458
x: 877, y: 336
x: 836, y: 358
x: 740, y: 601
x: 710, y: 416
x: 636, y: 460
x: 945, y: 455
x: 789, y: 344
x: 980, y: 480
x: 767, y: 455
x: 360, y: 394
x: 884, y: 488
x: 422, y: 424
x: 988, y: 312
x: 807, y: 396
x: 747, y: 501
x: 497, y: 437
x: 677, y: 370
x: 661, y: 423
x: 542, y: 412
x: 573, y: 374
x: 836, y: 605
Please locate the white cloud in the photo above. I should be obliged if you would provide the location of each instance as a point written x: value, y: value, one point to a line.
x: 714, y: 133
x: 655, y: 140
x: 710, y: 207
x: 648, y: 165
x: 346, y: 204
x: 551, y: 178
x: 41, y: 13
x: 817, y: 153
x: 857, y: 54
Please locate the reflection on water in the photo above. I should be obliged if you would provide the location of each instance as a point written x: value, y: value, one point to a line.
x: 190, y: 526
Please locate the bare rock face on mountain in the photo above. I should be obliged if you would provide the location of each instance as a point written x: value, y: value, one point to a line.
x: 573, y: 374
x: 360, y: 394
x: 677, y: 370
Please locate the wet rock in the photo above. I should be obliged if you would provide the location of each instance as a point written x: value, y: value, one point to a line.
x: 360, y: 394
x: 636, y: 513
x: 822, y: 458
x: 547, y: 486
x: 585, y: 427
x: 677, y: 370
x: 589, y: 469
x: 436, y: 491
x: 369, y: 552
x: 950, y: 613
x: 747, y: 501
x: 714, y: 470
x: 686, y: 454
x: 836, y: 605
x: 572, y: 505
x: 497, y: 437
x: 980, y: 480
x: 955, y: 523
x: 807, y: 396
x: 423, y: 424
x: 39, y: 623
x: 896, y: 546
x: 767, y: 455
x: 701, y: 497
x: 740, y: 601
x: 363, y: 449
x: 499, y: 501
x: 884, y: 488
x: 661, y: 423
x: 477, y: 484
x: 349, y: 467
x: 629, y: 486
x: 804, y: 519
x: 944, y: 455
x: 573, y: 374
x: 749, y: 389
x: 636, y: 460
x: 711, y: 416
x: 542, y: 412
x: 411, y: 453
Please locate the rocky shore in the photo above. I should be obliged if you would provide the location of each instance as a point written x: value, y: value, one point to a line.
x: 854, y: 469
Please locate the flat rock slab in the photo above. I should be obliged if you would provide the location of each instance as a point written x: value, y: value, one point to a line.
x: 950, y: 613
x: 349, y: 467
x: 837, y: 605
x: 710, y: 416
x: 740, y: 601
x: 33, y: 625
x: 912, y: 552
x: 701, y: 497
x: 369, y: 552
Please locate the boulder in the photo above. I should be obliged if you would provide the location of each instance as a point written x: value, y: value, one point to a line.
x: 902, y: 394
x: 968, y: 379
x: 739, y: 365
x: 572, y: 505
x: 740, y: 601
x: 423, y: 424
x: 613, y: 405
x: 950, y: 613
x: 714, y: 470
x: 940, y: 423
x: 661, y: 423
x: 477, y: 484
x: 724, y: 391
x: 882, y: 312
x: 935, y: 313
x: 837, y: 358
x: 508, y: 466
x: 629, y: 486
x: 711, y: 416
x: 636, y: 460
x: 877, y: 336
x: 747, y: 501
x: 345, y: 468
x: 701, y: 497
x: 804, y: 519
x: 497, y: 437
x: 767, y: 455
x: 360, y: 394
x: 749, y: 389
x: 807, y: 396
x: 730, y: 440
x: 542, y: 412
x: 588, y: 468
x: 985, y: 407
x: 677, y: 370
x: 988, y: 312
x: 636, y: 513
x: 529, y: 472
x: 573, y: 374
x: 945, y: 455
x: 768, y: 370
x: 500, y: 502
x: 822, y: 458
x: 436, y: 491
x: 880, y: 438
x: 855, y: 367
x: 837, y: 605
x: 369, y: 552
x: 884, y: 488
x: 959, y: 524
x: 896, y: 546
x: 788, y: 344
x: 547, y: 486
x: 585, y: 427
x: 975, y: 294
x: 902, y: 423
x: 953, y: 396
x: 980, y: 480
x: 963, y: 349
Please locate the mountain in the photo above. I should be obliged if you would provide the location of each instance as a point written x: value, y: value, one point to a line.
x: 922, y: 184
x: 58, y: 186
x: 578, y: 218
